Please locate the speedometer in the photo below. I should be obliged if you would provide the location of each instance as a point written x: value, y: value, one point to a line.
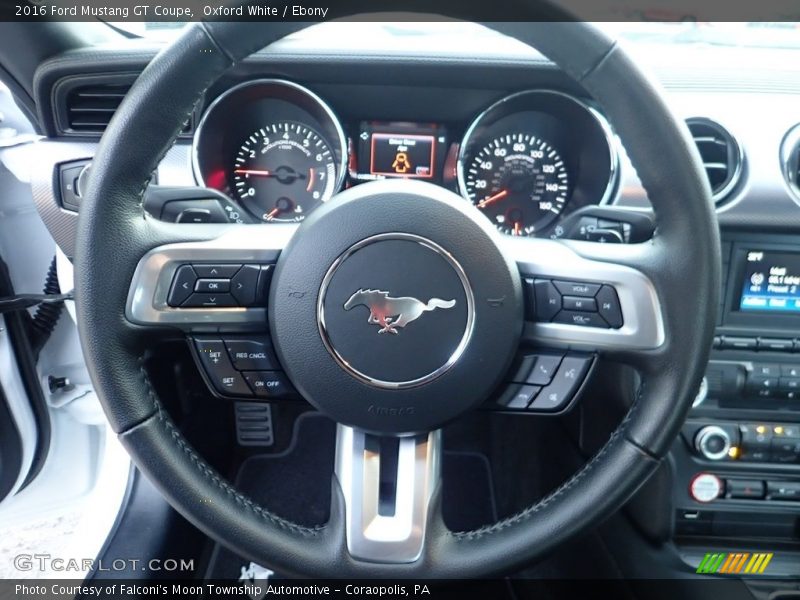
x: 283, y: 171
x: 519, y: 181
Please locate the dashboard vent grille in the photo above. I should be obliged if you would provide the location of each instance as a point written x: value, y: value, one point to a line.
x: 90, y: 107
x: 85, y: 106
x: 790, y: 157
x: 721, y: 154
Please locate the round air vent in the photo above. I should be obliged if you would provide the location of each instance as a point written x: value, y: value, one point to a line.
x: 790, y: 159
x: 722, y: 156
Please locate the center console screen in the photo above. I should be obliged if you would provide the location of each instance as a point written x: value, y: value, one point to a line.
x: 771, y: 282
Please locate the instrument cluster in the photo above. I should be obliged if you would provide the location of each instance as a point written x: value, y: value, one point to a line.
x: 528, y: 160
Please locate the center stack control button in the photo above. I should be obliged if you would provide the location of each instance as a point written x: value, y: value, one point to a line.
x: 705, y: 487
x: 750, y: 489
x: 783, y: 490
x: 223, y: 377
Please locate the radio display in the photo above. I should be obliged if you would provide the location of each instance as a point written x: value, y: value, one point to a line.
x: 408, y: 150
x: 771, y: 282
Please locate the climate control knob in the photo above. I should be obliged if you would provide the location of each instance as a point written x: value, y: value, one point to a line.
x: 712, y: 442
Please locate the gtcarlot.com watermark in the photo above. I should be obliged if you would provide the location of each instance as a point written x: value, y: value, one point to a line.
x: 54, y: 564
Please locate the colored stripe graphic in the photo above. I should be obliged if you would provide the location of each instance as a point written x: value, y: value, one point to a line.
x: 733, y: 563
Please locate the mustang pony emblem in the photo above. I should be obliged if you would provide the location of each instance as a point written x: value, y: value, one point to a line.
x: 393, y: 313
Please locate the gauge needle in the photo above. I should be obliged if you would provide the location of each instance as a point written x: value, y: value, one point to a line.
x: 273, y: 213
x: 253, y: 172
x: 517, y: 228
x: 487, y: 201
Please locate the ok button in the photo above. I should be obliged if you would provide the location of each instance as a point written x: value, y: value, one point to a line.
x: 211, y: 286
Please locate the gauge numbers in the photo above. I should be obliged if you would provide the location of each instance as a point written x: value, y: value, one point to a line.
x: 519, y: 181
x: 283, y: 171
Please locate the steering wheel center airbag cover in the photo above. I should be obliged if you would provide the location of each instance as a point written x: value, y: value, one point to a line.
x: 409, y: 278
x: 393, y: 308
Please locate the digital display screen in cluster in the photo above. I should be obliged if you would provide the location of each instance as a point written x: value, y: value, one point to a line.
x: 407, y: 150
x: 771, y: 282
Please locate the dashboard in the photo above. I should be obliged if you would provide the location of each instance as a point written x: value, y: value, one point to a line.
x: 526, y: 161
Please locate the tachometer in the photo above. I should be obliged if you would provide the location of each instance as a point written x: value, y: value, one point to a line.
x: 519, y: 181
x: 283, y: 171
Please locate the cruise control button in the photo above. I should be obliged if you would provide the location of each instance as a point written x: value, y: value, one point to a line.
x: 543, y: 369
x: 580, y: 304
x: 548, y: 300
x: 269, y: 384
x: 182, y: 285
x: 608, y: 306
x: 739, y: 343
x: 216, y: 271
x: 518, y: 397
x: 244, y: 285
x: 223, y: 377
x: 567, y: 380
x: 576, y: 288
x: 570, y: 317
x: 212, y: 286
x: 252, y: 355
x: 209, y: 301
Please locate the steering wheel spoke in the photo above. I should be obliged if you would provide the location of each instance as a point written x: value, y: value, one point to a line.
x: 387, y: 484
x: 588, y: 296
x: 218, y: 282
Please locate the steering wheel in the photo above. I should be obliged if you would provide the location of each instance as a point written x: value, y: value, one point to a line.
x: 409, y: 235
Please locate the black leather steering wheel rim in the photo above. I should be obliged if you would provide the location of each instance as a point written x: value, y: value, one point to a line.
x: 682, y: 261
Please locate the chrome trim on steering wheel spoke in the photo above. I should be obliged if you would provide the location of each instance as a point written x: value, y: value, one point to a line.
x: 240, y: 244
x: 376, y: 532
x: 643, y: 327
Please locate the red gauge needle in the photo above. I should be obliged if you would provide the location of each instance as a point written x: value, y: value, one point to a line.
x: 487, y: 201
x: 273, y: 213
x: 517, y: 228
x: 253, y: 172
